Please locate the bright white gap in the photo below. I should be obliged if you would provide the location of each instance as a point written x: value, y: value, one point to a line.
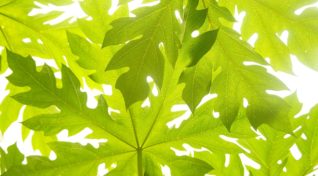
x: 113, y: 165
x: 304, y: 82
x: 13, y: 133
x: 249, y: 162
x: 138, y: 3
x: 245, y: 102
x: 114, y: 7
x: 28, y: 147
x: 188, y: 150
x: 315, y: 172
x: 178, y: 16
x: 283, y: 36
x: 302, y: 9
x: 65, y: 61
x: 149, y: 79
x: 176, y: 123
x: 52, y: 156
x: 239, y: 16
x: 296, y: 85
x: 91, y: 94
x: 70, y: 12
x: 227, y: 160
x: 165, y: 170
x: 58, y: 75
x: 207, y: 98
x: 297, y: 129
x: 294, y: 150
x: 303, y: 136
x: 260, y: 136
x: 234, y: 141
x: 3, y: 84
x: 146, y: 103
x: 286, y: 136
x: 40, y: 62
x: 26, y: 40
x: 107, y: 89
x: 215, y: 114
x: 111, y: 111
x: 155, y: 91
x: 195, y: 34
x: 102, y: 170
x: 39, y: 41
x: 252, y: 40
x: 80, y: 138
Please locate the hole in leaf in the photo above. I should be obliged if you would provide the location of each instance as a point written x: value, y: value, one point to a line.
x: 283, y: 36
x: 252, y: 40
x: 249, y: 162
x: 146, y: 103
x: 165, y: 170
x: 26, y: 40
x: 107, y: 89
x: 294, y: 150
x: 234, y: 141
x: 227, y: 160
x: 80, y: 138
x: 52, y: 156
x: 195, y: 34
x: 102, y: 170
x: 178, y: 16
x: 215, y: 114
x: 245, y: 102
x: 176, y: 123
x: 303, y: 136
x: 299, y: 11
x: 188, y: 150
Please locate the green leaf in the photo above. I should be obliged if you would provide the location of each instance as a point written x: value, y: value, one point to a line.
x: 75, y: 116
x: 270, y: 18
x: 238, y: 81
x: 306, y: 142
x: 96, y: 27
x: 133, y: 83
x: 169, y: 85
x: 217, y: 13
x: 162, y: 26
x: 42, y: 40
x: 83, y: 49
x: 143, y: 56
x: 10, y: 159
x: 72, y: 159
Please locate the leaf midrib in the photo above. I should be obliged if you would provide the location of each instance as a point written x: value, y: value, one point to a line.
x: 82, y: 162
x: 81, y: 113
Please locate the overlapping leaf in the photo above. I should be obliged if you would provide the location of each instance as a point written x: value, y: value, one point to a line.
x: 160, y: 41
x: 98, y: 22
x: 238, y: 81
x: 29, y: 35
x: 306, y: 142
x: 270, y: 18
x: 143, y: 55
x: 10, y: 159
x: 137, y: 133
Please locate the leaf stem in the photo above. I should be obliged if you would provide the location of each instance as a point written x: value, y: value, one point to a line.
x: 134, y: 127
x: 139, y: 161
